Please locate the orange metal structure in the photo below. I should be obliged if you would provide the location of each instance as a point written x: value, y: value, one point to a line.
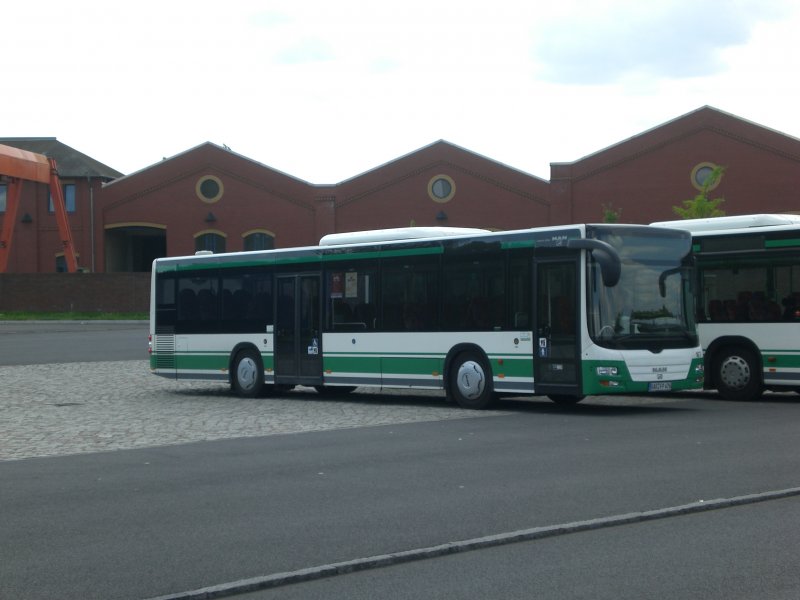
x: 19, y: 166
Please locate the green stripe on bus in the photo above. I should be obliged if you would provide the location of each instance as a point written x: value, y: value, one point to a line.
x: 406, y: 365
x: 518, y: 244
x: 214, y: 261
x: 781, y: 243
x: 412, y: 366
x: 777, y: 360
x: 513, y: 367
x: 351, y: 364
x: 410, y: 252
x: 417, y: 364
x: 383, y: 254
x: 204, y: 360
x: 203, y: 266
x: 201, y: 361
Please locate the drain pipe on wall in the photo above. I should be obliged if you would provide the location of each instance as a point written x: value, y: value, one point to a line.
x: 91, y: 218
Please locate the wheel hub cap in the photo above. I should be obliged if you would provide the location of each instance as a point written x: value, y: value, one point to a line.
x: 471, y: 379
x: 735, y: 372
x: 246, y: 373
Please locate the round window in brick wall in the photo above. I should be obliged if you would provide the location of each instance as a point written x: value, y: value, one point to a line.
x: 209, y: 189
x: 701, y: 173
x: 441, y: 188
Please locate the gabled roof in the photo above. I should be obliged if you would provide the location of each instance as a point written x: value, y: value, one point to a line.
x: 703, y: 118
x: 69, y: 161
x: 433, y: 148
x: 206, y: 147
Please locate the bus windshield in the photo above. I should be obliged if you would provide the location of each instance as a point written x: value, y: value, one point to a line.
x: 652, y: 303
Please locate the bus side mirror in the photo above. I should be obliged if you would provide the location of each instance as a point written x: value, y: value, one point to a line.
x: 606, y: 256
x: 662, y: 286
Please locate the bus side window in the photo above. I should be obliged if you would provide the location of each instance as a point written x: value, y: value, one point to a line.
x: 351, y: 296
x: 207, y: 305
x: 365, y: 313
x: 245, y: 301
x: 473, y: 293
x: 409, y: 294
x: 165, y: 301
x: 198, y: 306
x: 187, y: 305
x: 519, y: 292
x: 716, y: 310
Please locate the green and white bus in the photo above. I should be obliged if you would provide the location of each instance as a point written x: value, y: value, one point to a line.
x: 558, y: 311
x: 748, y: 301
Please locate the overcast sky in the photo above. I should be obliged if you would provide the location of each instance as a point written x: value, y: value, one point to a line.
x: 327, y: 89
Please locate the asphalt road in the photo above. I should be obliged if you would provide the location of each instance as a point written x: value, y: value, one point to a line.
x: 43, y: 342
x: 666, y: 497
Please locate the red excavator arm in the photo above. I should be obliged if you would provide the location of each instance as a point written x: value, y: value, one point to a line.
x: 18, y: 166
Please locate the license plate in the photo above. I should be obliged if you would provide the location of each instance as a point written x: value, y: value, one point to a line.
x: 659, y: 386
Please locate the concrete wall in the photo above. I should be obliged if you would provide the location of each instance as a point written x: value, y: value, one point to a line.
x: 81, y: 292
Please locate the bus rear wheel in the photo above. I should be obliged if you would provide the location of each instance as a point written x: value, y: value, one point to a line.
x: 471, y: 381
x: 737, y: 374
x: 247, y: 375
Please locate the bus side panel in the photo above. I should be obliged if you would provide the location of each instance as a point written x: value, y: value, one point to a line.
x: 348, y: 359
x: 402, y: 360
x: 208, y: 356
x: 776, y: 342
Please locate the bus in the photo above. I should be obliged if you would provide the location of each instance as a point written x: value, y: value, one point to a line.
x: 563, y: 312
x: 748, y: 301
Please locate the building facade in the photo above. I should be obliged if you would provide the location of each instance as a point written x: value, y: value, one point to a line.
x: 211, y: 198
x: 37, y: 246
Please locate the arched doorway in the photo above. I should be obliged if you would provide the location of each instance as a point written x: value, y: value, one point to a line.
x: 134, y: 246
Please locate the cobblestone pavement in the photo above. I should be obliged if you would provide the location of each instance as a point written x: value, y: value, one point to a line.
x: 71, y: 408
x: 82, y: 407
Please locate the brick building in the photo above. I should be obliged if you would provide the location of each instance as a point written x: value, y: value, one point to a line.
x: 209, y: 197
x: 37, y: 246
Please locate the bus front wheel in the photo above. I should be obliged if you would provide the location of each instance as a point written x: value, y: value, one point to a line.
x: 737, y: 374
x: 247, y: 375
x: 471, y: 381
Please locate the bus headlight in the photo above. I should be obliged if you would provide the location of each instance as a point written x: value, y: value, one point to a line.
x: 607, y: 371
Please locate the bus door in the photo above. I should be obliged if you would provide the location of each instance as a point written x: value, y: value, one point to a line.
x: 556, y: 365
x: 298, y: 339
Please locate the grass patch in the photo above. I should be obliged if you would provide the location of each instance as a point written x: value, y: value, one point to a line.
x: 71, y: 316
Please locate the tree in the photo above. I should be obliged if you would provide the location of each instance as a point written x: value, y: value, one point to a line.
x: 701, y: 207
x: 611, y: 214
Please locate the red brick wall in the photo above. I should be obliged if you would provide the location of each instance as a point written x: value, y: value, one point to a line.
x: 647, y: 175
x: 643, y: 177
x: 487, y: 194
x: 81, y: 292
x: 36, y: 243
x: 254, y: 197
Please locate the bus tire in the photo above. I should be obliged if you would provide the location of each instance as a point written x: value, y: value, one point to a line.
x: 471, y: 381
x: 247, y: 374
x: 737, y: 374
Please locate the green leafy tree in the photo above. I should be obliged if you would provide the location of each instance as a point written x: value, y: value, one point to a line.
x: 611, y: 214
x: 701, y: 206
